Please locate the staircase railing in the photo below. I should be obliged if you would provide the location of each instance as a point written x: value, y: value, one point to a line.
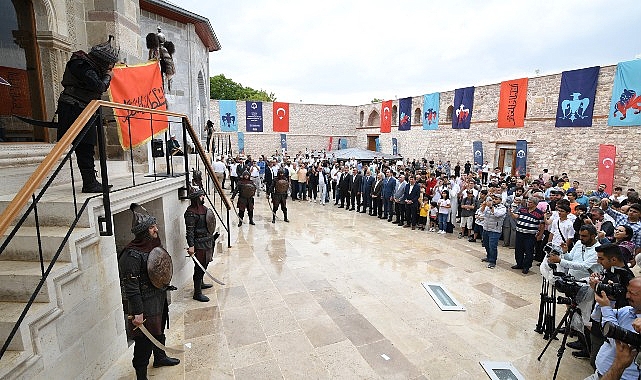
x: 60, y: 155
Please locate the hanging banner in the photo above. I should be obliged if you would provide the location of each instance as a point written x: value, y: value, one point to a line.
x: 576, y: 97
x: 521, y: 157
x: 241, y: 143
x: 283, y: 142
x: 394, y: 146
x: 254, y: 116
x: 462, y: 113
x: 228, y: 115
x: 386, y: 116
x: 281, y: 117
x: 626, y: 96
x: 331, y: 138
x: 378, y: 144
x: 140, y: 86
x: 512, y: 103
x: 607, y: 154
x: 405, y: 114
x: 430, y: 111
x: 343, y: 143
x: 477, y: 152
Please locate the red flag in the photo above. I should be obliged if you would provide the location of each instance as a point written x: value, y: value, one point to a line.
x: 139, y: 86
x: 512, y: 103
x: 330, y: 143
x: 605, y: 175
x: 281, y: 117
x: 386, y: 116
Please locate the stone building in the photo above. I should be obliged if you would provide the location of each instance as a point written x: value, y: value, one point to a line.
x: 571, y: 150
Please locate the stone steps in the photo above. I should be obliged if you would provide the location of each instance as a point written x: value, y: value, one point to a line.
x: 18, y: 280
x: 23, y: 246
x: 9, y: 314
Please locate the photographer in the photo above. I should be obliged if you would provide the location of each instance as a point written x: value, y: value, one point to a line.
x: 581, y: 261
x: 615, y: 276
x: 622, y: 317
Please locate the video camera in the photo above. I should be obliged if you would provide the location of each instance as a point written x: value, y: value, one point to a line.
x: 611, y: 290
x: 552, y: 250
x: 569, y: 286
x: 611, y: 330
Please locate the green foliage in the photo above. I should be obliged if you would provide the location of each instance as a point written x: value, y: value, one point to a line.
x: 222, y: 87
x: 377, y: 100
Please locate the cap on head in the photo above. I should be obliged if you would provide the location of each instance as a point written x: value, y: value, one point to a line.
x: 105, y: 53
x: 140, y: 223
x: 195, y: 192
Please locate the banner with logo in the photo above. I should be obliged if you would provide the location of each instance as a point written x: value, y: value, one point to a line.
x: 254, y: 116
x: 462, y: 113
x: 228, y: 115
x: 405, y: 114
x: 512, y: 103
x: 343, y: 143
x: 283, y: 142
x: 331, y: 140
x: 625, y: 105
x: 378, y: 144
x: 241, y: 143
x: 281, y: 117
x: 477, y: 153
x: 576, y: 97
x: 430, y: 111
x: 139, y: 86
x: 521, y: 157
x: 394, y: 146
x: 607, y: 154
x: 386, y: 116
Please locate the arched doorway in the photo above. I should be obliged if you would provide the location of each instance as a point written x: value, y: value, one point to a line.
x: 20, y: 67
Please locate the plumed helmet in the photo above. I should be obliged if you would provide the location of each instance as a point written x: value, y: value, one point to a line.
x: 245, y: 173
x: 195, y: 192
x: 104, y: 52
x: 140, y: 223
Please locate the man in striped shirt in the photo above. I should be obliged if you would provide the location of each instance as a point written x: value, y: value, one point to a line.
x: 530, y: 224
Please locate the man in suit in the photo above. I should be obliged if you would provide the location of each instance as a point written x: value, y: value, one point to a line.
x: 357, y: 181
x: 377, y: 197
x: 389, y: 185
x: 366, y: 189
x: 399, y: 200
x: 344, y: 184
x: 412, y: 192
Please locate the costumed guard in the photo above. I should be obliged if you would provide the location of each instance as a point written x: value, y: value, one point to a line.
x: 162, y: 50
x: 279, y: 198
x: 200, y: 223
x: 145, y: 273
x: 245, y: 190
x: 86, y: 78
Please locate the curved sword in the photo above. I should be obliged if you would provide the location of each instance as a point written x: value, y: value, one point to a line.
x: 155, y: 341
x: 193, y: 257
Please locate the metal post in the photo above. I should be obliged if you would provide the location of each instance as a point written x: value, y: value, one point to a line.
x: 105, y: 179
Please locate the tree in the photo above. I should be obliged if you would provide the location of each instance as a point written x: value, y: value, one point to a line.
x: 376, y: 100
x: 222, y: 87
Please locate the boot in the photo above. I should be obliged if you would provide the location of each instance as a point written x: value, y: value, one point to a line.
x: 273, y: 218
x: 240, y: 222
x: 204, y: 285
x: 250, y: 213
x: 285, y: 216
x: 141, y: 373
x: 89, y: 182
x: 198, y: 294
x: 160, y: 357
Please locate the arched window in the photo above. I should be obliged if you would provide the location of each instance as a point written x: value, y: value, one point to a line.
x: 448, y: 117
x: 417, y: 116
x: 394, y: 115
x: 374, y: 119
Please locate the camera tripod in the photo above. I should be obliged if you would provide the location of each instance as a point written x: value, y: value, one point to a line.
x: 547, y: 309
x: 573, y: 309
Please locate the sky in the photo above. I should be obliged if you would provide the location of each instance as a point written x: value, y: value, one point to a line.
x: 350, y: 52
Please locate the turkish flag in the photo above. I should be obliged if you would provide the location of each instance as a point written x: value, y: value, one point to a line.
x: 605, y: 175
x: 386, y: 116
x: 281, y: 117
x: 330, y: 142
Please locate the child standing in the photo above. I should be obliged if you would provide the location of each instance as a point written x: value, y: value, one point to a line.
x: 433, y: 216
x: 423, y: 212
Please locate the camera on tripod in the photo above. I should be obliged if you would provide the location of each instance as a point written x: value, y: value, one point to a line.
x: 567, y: 285
x: 552, y: 250
x: 611, y: 330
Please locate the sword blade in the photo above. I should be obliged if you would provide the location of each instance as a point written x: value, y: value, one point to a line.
x: 37, y: 123
x: 156, y: 343
x: 205, y: 270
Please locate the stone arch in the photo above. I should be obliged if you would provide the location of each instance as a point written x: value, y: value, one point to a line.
x: 374, y: 119
x: 361, y: 118
x: 45, y: 15
x: 394, y: 115
x: 417, y: 116
x: 448, y: 116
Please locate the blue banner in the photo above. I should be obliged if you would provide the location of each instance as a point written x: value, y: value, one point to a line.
x: 283, y: 142
x: 521, y: 157
x: 394, y: 146
x: 576, y: 97
x: 462, y: 112
x: 254, y: 116
x: 430, y: 111
x: 378, y: 144
x: 404, y: 114
x: 626, y: 95
x: 241, y: 142
x: 228, y: 116
x: 477, y: 152
x: 342, y: 143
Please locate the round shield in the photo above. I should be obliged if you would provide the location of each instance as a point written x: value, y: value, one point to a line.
x: 159, y: 267
x: 210, y: 218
